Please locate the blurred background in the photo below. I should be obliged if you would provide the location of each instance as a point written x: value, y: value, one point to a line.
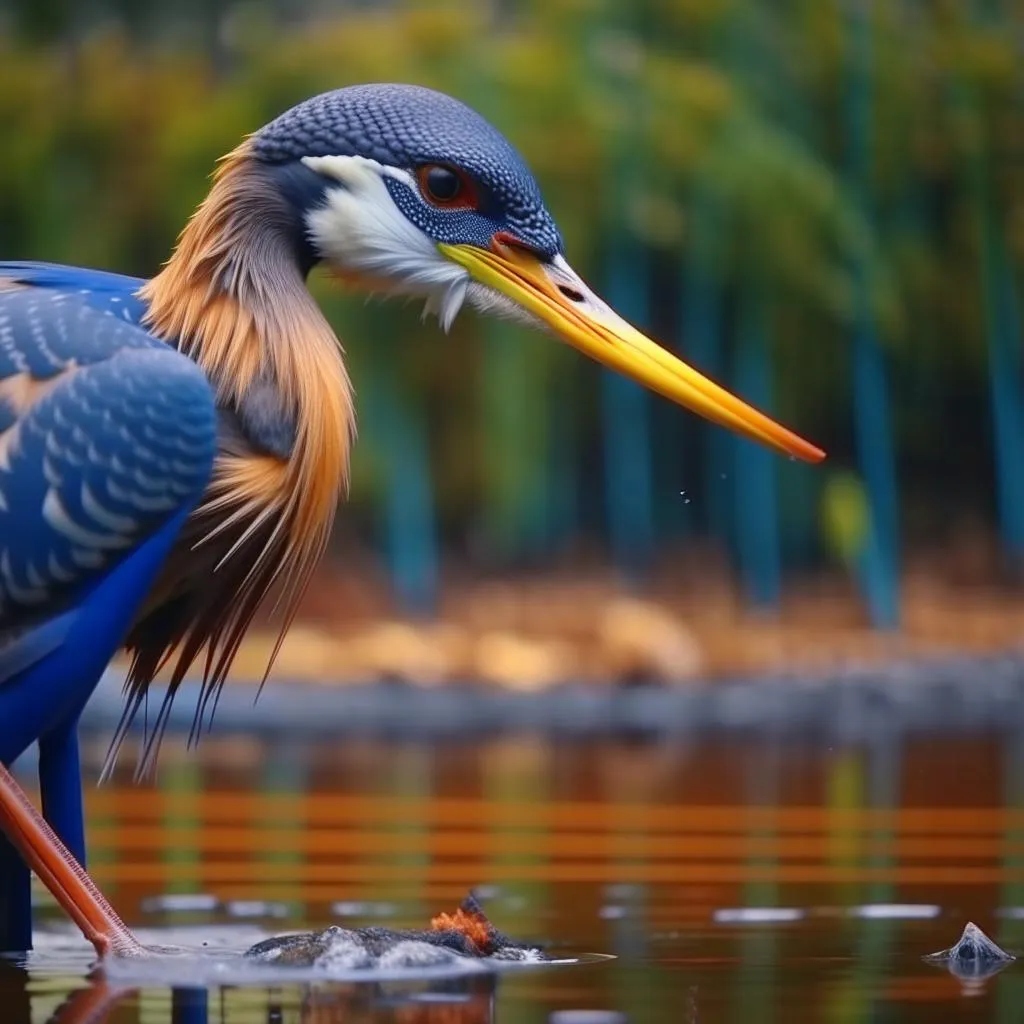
x: 817, y: 202
x: 820, y: 203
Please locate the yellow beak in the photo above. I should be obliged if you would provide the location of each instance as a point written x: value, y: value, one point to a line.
x: 556, y: 295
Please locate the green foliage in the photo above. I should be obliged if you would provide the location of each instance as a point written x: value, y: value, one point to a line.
x: 111, y: 129
x: 846, y: 517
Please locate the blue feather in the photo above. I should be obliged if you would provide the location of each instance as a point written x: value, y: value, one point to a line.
x: 107, y: 441
x: 98, y: 289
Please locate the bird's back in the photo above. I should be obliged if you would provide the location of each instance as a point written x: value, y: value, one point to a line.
x: 88, y: 404
x: 62, y: 328
x: 98, y: 289
x: 106, y: 435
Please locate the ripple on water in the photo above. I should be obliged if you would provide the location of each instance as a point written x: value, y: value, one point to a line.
x: 209, y: 956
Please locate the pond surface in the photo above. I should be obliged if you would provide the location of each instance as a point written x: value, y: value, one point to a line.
x: 734, y: 879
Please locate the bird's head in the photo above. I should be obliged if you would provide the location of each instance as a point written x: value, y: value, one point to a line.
x: 407, y: 191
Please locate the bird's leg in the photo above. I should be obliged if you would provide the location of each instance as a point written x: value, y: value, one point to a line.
x: 91, y: 1005
x: 190, y: 1005
x: 15, y: 899
x: 51, y: 860
x: 60, y: 786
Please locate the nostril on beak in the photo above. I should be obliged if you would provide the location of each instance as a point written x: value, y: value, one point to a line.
x: 570, y: 293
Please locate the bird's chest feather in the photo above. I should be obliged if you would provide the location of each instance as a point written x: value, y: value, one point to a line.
x: 246, y: 501
x: 261, y: 421
x: 263, y: 522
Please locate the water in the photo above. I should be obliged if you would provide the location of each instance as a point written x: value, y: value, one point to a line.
x: 733, y: 879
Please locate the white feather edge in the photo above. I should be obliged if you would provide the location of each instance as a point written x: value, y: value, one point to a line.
x: 360, y: 228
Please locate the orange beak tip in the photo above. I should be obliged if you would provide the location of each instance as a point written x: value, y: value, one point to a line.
x: 554, y: 294
x: 808, y: 454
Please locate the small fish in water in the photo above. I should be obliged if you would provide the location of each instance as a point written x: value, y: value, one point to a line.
x: 466, y: 934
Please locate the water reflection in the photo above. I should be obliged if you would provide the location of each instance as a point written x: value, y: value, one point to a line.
x: 467, y: 1001
x: 738, y: 879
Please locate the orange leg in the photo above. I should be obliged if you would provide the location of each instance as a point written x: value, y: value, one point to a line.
x: 91, y: 1005
x: 71, y: 886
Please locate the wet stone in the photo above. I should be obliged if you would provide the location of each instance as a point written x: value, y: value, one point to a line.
x: 465, y: 935
x: 975, y: 955
x: 346, y: 950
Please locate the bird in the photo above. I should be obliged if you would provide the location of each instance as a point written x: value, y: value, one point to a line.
x: 173, y: 449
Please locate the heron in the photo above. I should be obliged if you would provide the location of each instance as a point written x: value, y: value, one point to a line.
x: 173, y: 449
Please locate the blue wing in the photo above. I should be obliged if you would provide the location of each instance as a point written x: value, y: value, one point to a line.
x: 106, y: 434
x: 99, y: 289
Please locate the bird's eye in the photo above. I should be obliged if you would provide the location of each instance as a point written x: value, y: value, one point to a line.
x: 445, y: 186
x: 442, y: 184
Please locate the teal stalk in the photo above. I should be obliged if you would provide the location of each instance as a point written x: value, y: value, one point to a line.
x: 563, y: 514
x: 759, y: 947
x: 515, y: 412
x: 756, y: 484
x: 626, y: 413
x: 879, y: 566
x: 285, y: 771
x: 874, y: 947
x: 410, y: 531
x: 627, y: 430
x: 702, y: 345
x: 181, y: 782
x: 875, y: 938
x: 800, y: 486
x: 1002, y: 317
x: 514, y: 407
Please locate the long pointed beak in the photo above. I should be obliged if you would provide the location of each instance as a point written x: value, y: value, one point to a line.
x: 557, y: 296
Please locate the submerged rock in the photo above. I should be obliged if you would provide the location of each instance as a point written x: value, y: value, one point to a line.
x: 465, y: 935
x: 975, y: 956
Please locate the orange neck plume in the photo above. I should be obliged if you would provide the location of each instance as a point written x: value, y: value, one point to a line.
x: 233, y: 298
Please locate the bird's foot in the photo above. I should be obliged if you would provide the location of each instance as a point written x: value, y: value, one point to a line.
x: 62, y: 874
